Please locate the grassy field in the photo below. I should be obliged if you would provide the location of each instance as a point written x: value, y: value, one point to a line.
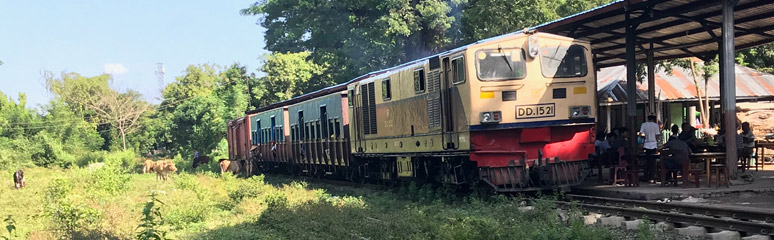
x: 109, y: 203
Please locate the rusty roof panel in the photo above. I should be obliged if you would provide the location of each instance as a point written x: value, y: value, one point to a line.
x: 679, y: 84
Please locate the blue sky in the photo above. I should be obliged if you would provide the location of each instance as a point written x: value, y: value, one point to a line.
x: 126, y: 38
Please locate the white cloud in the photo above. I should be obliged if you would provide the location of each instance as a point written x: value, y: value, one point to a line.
x: 115, y: 69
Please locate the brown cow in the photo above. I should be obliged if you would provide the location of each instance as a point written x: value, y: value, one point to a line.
x: 201, y: 160
x: 228, y: 166
x: 163, y: 168
x: 147, y: 166
x: 18, y: 179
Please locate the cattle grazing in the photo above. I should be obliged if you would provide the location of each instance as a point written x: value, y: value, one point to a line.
x: 163, y: 168
x: 228, y: 166
x: 147, y: 166
x: 18, y: 179
x: 201, y: 160
x: 95, y: 166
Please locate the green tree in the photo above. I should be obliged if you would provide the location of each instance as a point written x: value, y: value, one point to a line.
x: 232, y: 89
x: 150, y: 127
x: 488, y: 18
x: 354, y: 36
x: 760, y: 58
x: 76, y: 90
x: 197, y: 105
x: 197, y: 80
x: 198, y: 124
x: 289, y: 75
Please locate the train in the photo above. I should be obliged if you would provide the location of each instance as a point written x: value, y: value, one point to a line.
x: 512, y: 113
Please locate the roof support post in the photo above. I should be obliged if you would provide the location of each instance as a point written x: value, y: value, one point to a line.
x: 651, y: 82
x: 728, y: 84
x: 631, y: 81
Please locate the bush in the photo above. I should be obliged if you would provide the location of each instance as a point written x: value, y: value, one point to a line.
x: 110, y: 180
x: 57, y: 190
x: 299, y: 185
x: 184, y: 215
x: 250, y: 188
x: 276, y: 200
x: 124, y: 161
x: 187, y: 181
x: 50, y: 152
x: 151, y: 220
x: 90, y: 157
x: 10, y: 225
x: 68, y: 217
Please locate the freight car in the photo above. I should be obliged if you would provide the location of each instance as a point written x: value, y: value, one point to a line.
x: 513, y: 112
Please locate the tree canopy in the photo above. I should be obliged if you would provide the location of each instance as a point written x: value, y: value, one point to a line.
x: 313, y: 44
x: 330, y: 42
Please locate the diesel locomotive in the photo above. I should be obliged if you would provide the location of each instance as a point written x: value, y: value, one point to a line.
x: 513, y: 112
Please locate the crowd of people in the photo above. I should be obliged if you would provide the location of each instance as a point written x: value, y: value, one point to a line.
x: 681, y: 144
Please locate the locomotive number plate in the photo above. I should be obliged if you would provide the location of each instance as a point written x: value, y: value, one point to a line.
x: 536, y: 110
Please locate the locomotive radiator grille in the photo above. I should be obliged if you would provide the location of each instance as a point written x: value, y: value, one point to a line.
x: 434, y: 99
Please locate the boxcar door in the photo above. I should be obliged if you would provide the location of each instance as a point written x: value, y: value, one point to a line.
x: 450, y: 107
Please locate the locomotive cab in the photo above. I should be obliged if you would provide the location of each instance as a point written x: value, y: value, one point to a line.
x: 532, y: 108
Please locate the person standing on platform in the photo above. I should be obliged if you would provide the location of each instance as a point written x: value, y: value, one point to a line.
x: 649, y: 131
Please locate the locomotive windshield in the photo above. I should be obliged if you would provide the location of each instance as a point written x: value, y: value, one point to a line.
x: 563, y: 61
x: 500, y: 64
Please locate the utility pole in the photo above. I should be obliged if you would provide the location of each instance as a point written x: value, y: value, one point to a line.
x: 160, y: 75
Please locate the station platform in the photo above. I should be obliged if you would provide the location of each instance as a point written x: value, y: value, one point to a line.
x: 762, y: 183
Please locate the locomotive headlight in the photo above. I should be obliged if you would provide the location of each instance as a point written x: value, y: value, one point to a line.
x: 580, y: 111
x: 491, y: 117
x: 532, y: 45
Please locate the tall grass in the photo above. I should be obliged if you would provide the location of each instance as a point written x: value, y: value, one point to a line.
x: 112, y: 203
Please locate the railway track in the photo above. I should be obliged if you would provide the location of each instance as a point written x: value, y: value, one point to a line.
x: 747, y: 220
x: 750, y: 221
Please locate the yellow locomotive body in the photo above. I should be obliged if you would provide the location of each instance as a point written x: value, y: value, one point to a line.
x: 498, y: 103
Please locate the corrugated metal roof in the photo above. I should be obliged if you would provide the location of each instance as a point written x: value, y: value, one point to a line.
x: 677, y: 28
x: 679, y: 85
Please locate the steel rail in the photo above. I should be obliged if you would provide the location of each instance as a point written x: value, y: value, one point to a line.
x: 698, y: 220
x: 761, y: 215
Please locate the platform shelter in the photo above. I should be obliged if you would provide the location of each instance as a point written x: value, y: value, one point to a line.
x: 626, y: 32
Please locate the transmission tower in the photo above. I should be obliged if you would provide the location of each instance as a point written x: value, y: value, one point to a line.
x: 160, y: 75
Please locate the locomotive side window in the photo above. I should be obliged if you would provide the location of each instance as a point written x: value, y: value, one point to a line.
x: 419, y: 80
x: 386, y: 90
x: 500, y: 64
x: 458, y: 70
x: 563, y: 61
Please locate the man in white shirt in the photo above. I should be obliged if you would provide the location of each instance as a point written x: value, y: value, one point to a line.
x: 649, y: 131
